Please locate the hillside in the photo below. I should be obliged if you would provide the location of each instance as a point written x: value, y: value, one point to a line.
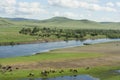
x: 5, y: 22
x: 63, y: 22
x: 60, y: 22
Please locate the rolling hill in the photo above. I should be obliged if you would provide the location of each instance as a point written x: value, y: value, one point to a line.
x: 60, y: 22
x: 63, y: 22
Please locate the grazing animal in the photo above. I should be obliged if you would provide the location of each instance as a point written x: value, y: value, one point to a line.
x: 44, y: 73
x: 31, y: 74
x: 0, y: 66
x: 52, y: 71
x: 3, y: 67
x: 8, y: 67
x: 16, y: 68
x: 73, y: 70
x: 10, y: 70
x: 61, y: 71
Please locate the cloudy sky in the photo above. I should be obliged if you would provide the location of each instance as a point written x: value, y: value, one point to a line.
x: 97, y: 10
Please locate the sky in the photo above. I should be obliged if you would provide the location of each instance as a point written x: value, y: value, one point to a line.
x: 97, y: 10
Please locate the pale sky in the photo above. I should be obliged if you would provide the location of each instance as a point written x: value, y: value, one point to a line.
x: 97, y: 10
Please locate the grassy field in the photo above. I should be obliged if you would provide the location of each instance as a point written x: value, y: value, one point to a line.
x: 102, y: 59
x: 11, y: 34
x: 99, y: 72
x: 50, y: 56
x: 9, y: 29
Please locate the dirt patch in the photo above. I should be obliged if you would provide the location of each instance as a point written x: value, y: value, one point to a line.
x: 111, y: 47
x: 74, y: 63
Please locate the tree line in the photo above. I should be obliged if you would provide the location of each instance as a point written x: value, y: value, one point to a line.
x: 69, y: 33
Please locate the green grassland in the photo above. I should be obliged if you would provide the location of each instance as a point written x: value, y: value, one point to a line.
x: 98, y: 72
x: 11, y: 34
x: 50, y: 56
x: 9, y: 29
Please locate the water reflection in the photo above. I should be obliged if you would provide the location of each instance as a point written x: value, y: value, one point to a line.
x: 77, y: 77
x: 118, y: 71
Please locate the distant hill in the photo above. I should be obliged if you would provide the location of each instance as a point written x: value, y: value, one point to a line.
x: 63, y: 22
x: 109, y: 22
x: 58, y: 19
x: 60, y: 22
x: 63, y: 19
x: 21, y: 19
x: 5, y: 22
x: 17, y: 19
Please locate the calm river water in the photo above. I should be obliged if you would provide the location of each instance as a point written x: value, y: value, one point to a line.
x: 30, y: 49
x: 78, y: 77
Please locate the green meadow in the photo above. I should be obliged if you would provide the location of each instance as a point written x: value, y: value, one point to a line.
x: 102, y: 73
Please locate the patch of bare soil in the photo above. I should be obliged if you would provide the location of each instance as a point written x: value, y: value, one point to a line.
x: 75, y: 63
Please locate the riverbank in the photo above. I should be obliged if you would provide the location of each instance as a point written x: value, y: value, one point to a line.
x: 46, y: 40
x: 99, y: 59
x: 29, y: 42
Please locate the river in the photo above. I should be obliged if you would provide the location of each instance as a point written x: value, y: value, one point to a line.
x: 30, y: 49
x: 77, y: 77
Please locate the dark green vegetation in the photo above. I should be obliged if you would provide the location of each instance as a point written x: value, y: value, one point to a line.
x: 9, y: 29
x: 66, y: 34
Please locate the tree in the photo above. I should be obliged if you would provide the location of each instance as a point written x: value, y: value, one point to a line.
x: 35, y: 30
